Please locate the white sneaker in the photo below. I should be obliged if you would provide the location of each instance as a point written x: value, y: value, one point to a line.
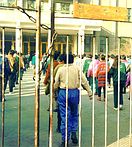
x: 121, y: 106
x: 115, y: 108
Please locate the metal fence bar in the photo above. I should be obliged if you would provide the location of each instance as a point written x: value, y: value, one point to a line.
x: 130, y: 123
x: 3, y: 98
x: 93, y: 102
x: 52, y: 4
x: 117, y: 46
x: 19, y: 97
x: 51, y: 102
x: 118, y: 112
x: 106, y: 92
x: 126, y: 3
x: 37, y: 82
x: 80, y: 94
x: 67, y: 74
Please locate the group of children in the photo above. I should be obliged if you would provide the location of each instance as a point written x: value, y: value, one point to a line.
x: 96, y: 75
x: 100, y: 70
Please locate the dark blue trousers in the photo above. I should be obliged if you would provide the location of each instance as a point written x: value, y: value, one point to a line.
x: 115, y: 84
x: 73, y: 101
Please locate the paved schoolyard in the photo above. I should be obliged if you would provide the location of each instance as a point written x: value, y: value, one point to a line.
x: 27, y: 118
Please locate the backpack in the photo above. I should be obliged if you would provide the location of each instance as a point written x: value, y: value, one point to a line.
x: 86, y: 65
x: 122, y: 68
x: 123, y: 76
x: 101, y: 70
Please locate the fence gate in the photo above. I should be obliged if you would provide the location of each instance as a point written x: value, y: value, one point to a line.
x: 94, y: 110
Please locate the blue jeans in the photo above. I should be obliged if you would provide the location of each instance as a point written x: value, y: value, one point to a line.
x: 73, y: 101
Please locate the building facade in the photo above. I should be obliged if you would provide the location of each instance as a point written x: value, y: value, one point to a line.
x: 13, y: 19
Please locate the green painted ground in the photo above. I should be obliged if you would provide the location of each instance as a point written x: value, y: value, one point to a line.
x: 27, y: 117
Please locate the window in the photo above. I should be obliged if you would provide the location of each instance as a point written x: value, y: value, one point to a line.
x: 29, y: 4
x: 87, y: 44
x: 102, y: 44
x: 63, y: 7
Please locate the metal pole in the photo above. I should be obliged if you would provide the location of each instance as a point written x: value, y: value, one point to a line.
x: 118, y: 112
x: 106, y: 98
x: 19, y: 97
x: 116, y: 29
x: 126, y: 3
x: 100, y: 2
x: 117, y: 46
x: 80, y: 92
x: 130, y: 123
x: 3, y: 99
x: 93, y: 124
x: 19, y: 49
x: 67, y: 74
x: 51, y: 77
x: 37, y: 82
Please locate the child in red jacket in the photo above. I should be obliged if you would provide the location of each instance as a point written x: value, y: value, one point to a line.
x: 101, y: 76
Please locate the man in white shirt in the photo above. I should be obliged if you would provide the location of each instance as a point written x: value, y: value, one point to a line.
x: 73, y: 97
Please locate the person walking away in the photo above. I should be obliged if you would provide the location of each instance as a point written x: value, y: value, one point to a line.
x: 124, y: 60
x: 92, y: 70
x: 33, y: 61
x: 73, y: 97
x: 101, y: 76
x: 7, y: 72
x: 128, y: 82
x: 114, y: 73
x: 43, y: 63
x: 110, y: 62
x: 61, y: 63
x: 47, y: 75
x: 13, y: 72
x: 17, y: 58
x: 87, y: 62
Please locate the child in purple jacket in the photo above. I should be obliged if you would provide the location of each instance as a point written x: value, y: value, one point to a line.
x: 128, y: 82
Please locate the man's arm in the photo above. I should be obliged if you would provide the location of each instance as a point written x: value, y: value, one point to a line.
x: 85, y: 85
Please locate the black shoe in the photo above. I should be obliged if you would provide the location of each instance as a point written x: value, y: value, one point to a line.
x: 74, y: 138
x: 63, y: 144
x: 55, y: 110
x: 58, y: 130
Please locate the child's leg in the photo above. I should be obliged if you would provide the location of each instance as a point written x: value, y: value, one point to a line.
x: 104, y: 92
x: 99, y: 93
